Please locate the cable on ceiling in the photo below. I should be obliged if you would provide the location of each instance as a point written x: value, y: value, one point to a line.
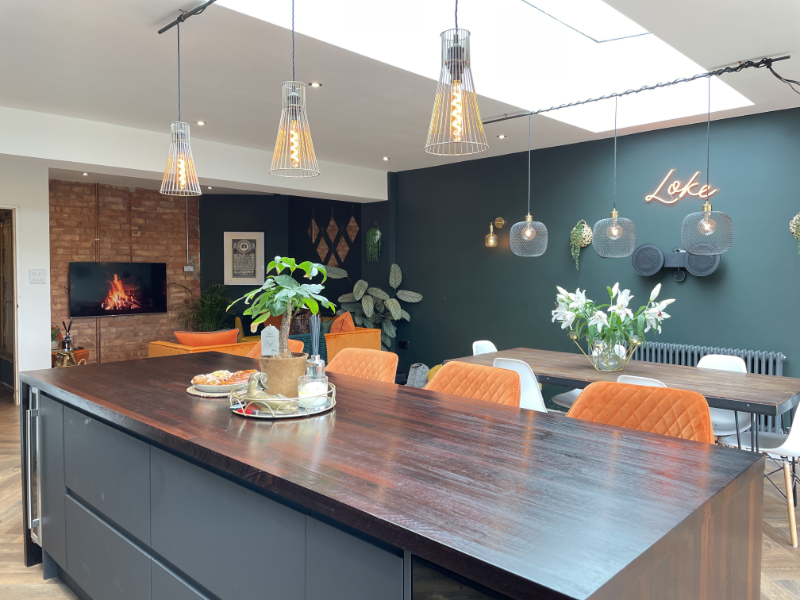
x: 186, y: 14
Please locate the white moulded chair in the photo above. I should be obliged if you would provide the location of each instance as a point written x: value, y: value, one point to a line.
x: 530, y: 394
x: 483, y: 347
x: 785, y: 450
x: 567, y: 399
x: 722, y: 420
x: 645, y: 381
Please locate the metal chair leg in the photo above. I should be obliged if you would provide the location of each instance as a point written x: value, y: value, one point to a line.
x: 789, y: 480
x: 736, y: 424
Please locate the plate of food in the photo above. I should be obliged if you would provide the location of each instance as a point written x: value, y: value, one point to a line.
x: 220, y: 382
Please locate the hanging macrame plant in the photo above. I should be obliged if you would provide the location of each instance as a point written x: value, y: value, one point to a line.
x: 373, y: 243
x: 579, y: 237
x: 794, y: 227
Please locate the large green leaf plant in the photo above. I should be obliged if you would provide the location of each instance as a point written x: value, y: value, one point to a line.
x: 371, y: 307
x: 281, y: 294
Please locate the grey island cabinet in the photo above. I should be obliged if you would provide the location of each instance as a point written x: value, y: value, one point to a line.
x: 135, y: 490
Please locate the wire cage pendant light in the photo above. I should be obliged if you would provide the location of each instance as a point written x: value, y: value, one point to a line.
x: 294, y: 151
x: 528, y: 238
x: 709, y: 232
x: 456, y: 127
x: 180, y: 177
x: 614, y: 237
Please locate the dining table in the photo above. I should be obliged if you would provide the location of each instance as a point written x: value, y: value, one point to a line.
x: 749, y: 393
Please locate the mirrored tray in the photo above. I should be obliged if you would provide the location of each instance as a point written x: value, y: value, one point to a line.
x: 281, y: 408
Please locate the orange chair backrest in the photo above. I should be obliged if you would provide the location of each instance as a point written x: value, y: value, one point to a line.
x: 477, y: 381
x: 677, y: 413
x: 294, y: 346
x: 364, y: 363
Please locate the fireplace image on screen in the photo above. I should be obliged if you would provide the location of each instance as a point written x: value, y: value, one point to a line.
x: 110, y: 289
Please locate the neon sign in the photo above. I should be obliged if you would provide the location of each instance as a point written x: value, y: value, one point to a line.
x: 678, y: 191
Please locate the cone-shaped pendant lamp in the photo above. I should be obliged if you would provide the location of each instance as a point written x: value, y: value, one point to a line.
x: 294, y: 151
x: 528, y: 238
x: 456, y: 126
x: 709, y: 232
x: 180, y: 177
x: 614, y: 237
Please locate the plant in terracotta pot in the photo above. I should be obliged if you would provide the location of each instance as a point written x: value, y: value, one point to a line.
x: 281, y: 296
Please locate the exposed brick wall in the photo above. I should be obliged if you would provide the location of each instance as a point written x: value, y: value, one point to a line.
x: 138, y: 226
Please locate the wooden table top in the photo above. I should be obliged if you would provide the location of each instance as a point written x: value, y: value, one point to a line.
x: 760, y: 394
x: 522, y: 502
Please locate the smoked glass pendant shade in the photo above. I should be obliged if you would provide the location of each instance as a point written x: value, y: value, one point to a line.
x: 614, y: 237
x: 528, y: 238
x: 180, y: 177
x: 491, y: 239
x: 294, y: 151
x: 709, y: 232
x: 456, y: 126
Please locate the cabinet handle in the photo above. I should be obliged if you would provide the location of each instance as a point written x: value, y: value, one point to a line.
x: 30, y: 414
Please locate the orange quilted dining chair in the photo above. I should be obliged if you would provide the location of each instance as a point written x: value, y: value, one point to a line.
x: 677, y: 413
x: 480, y: 382
x: 294, y: 346
x: 365, y: 363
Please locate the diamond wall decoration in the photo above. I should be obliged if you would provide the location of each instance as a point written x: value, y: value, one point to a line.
x: 342, y: 249
x: 352, y: 229
x: 322, y: 249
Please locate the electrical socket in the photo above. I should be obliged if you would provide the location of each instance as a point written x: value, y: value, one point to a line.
x: 37, y: 276
x: 188, y: 269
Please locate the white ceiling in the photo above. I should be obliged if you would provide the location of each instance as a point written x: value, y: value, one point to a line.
x: 105, y: 62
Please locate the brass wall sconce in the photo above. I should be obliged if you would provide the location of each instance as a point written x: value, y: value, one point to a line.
x: 491, y: 239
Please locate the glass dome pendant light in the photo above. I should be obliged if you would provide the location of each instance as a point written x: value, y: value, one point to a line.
x: 528, y: 238
x: 180, y: 177
x: 709, y: 232
x: 614, y: 237
x: 456, y: 127
x: 294, y: 151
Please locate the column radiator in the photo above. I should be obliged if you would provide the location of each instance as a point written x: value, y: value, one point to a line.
x: 763, y: 363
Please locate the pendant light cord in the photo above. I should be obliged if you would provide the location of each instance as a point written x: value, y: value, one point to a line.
x: 529, y: 164
x: 456, y: 14
x: 708, y: 141
x: 616, y: 101
x: 179, y: 71
x: 293, y: 79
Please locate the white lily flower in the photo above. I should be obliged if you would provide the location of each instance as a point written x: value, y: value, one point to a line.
x: 624, y: 298
x: 579, y: 300
x: 655, y: 292
x: 566, y: 317
x: 621, y: 311
x: 599, y: 320
x: 614, y: 290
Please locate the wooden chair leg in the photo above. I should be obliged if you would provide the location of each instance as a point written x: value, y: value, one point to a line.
x: 787, y: 478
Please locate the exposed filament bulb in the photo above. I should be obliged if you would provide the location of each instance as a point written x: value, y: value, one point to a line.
x: 456, y: 116
x: 294, y: 145
x: 182, y: 173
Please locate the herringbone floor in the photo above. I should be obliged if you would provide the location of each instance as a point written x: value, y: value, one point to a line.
x: 780, y: 573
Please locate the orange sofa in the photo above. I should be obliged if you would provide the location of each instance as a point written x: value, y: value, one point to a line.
x: 171, y: 348
x: 360, y: 338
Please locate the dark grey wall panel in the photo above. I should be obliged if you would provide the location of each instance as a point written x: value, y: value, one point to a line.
x: 167, y: 586
x: 51, y: 469
x: 110, y: 471
x: 341, y: 566
x: 234, y: 542
x: 104, y: 564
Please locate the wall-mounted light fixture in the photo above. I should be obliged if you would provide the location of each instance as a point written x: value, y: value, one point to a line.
x: 491, y: 239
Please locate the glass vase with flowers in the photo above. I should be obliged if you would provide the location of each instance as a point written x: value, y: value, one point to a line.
x: 611, y: 331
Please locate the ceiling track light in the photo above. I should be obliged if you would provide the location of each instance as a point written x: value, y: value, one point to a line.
x: 614, y: 237
x: 456, y: 128
x: 708, y: 232
x: 294, y: 151
x: 180, y: 177
x: 528, y: 238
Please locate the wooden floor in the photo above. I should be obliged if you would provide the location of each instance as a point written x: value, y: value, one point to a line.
x: 780, y: 566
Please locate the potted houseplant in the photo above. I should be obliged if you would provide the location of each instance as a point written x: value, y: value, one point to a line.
x: 54, y: 331
x: 612, y: 331
x: 281, y: 295
x: 206, y: 312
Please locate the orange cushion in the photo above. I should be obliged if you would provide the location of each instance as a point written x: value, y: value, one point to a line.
x: 294, y: 346
x: 207, y: 338
x: 667, y: 411
x: 364, y: 363
x: 343, y: 323
x: 477, y: 381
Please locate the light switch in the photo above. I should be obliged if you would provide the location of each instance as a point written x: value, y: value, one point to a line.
x: 38, y: 275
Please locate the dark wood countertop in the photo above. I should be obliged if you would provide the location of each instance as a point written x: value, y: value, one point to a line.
x: 519, y: 501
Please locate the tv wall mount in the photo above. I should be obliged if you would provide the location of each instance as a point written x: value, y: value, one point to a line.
x: 649, y: 259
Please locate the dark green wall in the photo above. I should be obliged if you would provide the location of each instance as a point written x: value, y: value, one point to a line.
x: 473, y: 292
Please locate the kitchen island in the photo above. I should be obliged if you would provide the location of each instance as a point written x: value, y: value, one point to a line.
x: 134, y: 489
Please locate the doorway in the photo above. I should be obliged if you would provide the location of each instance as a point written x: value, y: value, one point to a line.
x: 7, y: 307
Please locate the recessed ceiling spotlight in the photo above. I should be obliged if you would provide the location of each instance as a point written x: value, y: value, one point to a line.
x: 315, y: 84
x: 85, y: 174
x: 209, y: 187
x: 201, y: 123
x: 502, y: 136
x: 385, y: 158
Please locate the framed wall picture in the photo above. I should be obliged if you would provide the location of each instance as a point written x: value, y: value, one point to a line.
x: 244, y: 258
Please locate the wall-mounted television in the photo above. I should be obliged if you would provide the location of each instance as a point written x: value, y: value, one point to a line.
x: 107, y: 289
